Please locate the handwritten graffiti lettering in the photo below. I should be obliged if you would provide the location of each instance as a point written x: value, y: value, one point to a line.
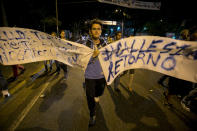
x: 169, y: 63
x: 117, y: 65
x: 168, y: 47
x: 154, y: 62
x: 108, y: 53
x: 21, y: 35
x: 132, y: 45
x: 152, y: 47
x: 110, y: 71
x: 145, y: 56
x: 19, y: 45
x: 180, y: 49
x: 75, y: 57
x: 12, y: 35
x: 156, y: 53
x: 131, y: 59
x: 119, y: 52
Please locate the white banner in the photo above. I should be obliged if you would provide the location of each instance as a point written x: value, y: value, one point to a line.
x: 146, y: 5
x: 165, y: 55
x: 161, y: 54
x: 134, y: 4
x: 19, y: 45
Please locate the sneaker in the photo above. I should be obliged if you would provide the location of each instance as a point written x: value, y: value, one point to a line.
x: 92, y: 121
x: 7, y: 95
x: 42, y: 95
x: 96, y: 99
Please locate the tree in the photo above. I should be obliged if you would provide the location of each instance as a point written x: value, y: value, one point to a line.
x: 160, y: 27
x: 49, y: 24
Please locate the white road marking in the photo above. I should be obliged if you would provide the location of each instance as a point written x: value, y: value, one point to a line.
x: 20, y: 118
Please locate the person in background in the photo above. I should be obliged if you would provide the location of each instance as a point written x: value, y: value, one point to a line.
x: 94, y: 77
x: 15, y: 71
x: 175, y: 86
x: 61, y: 65
x: 49, y: 61
x: 118, y: 36
x: 109, y: 39
x: 46, y: 65
x: 184, y: 35
x: 189, y: 101
x: 4, y: 86
x: 53, y: 34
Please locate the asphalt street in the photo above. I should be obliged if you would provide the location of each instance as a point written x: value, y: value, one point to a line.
x: 48, y: 102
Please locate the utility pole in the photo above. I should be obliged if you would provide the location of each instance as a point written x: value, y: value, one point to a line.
x: 122, y: 27
x: 57, y: 19
x: 4, y: 18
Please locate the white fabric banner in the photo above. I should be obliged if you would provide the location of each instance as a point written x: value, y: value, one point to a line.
x: 136, y: 4
x: 161, y: 54
x: 19, y: 46
x: 165, y: 55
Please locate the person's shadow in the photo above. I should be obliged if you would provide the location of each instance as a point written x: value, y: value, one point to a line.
x: 138, y: 110
x: 100, y: 121
x: 55, y: 94
x: 76, y: 117
x: 34, y: 129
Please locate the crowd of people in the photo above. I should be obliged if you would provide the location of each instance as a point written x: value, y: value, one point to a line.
x: 185, y: 90
x: 94, y: 78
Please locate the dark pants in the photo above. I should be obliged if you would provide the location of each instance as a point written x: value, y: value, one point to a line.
x: 176, y: 86
x: 117, y: 81
x: 3, y: 82
x: 60, y: 65
x: 94, y: 88
x: 46, y: 65
x: 179, y: 87
x: 191, y: 100
x: 15, y: 69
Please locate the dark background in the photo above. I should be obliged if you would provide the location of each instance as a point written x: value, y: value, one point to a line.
x: 73, y: 14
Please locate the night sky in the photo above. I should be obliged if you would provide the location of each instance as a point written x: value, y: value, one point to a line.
x: 30, y: 13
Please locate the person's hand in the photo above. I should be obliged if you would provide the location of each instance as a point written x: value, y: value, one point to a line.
x: 95, y: 53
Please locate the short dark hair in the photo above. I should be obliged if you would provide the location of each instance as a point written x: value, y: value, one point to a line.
x: 118, y: 32
x: 62, y: 30
x: 95, y: 21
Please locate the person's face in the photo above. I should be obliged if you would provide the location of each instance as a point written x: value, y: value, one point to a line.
x: 118, y: 36
x: 53, y: 34
x: 62, y: 34
x: 96, y: 31
x: 185, y: 34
